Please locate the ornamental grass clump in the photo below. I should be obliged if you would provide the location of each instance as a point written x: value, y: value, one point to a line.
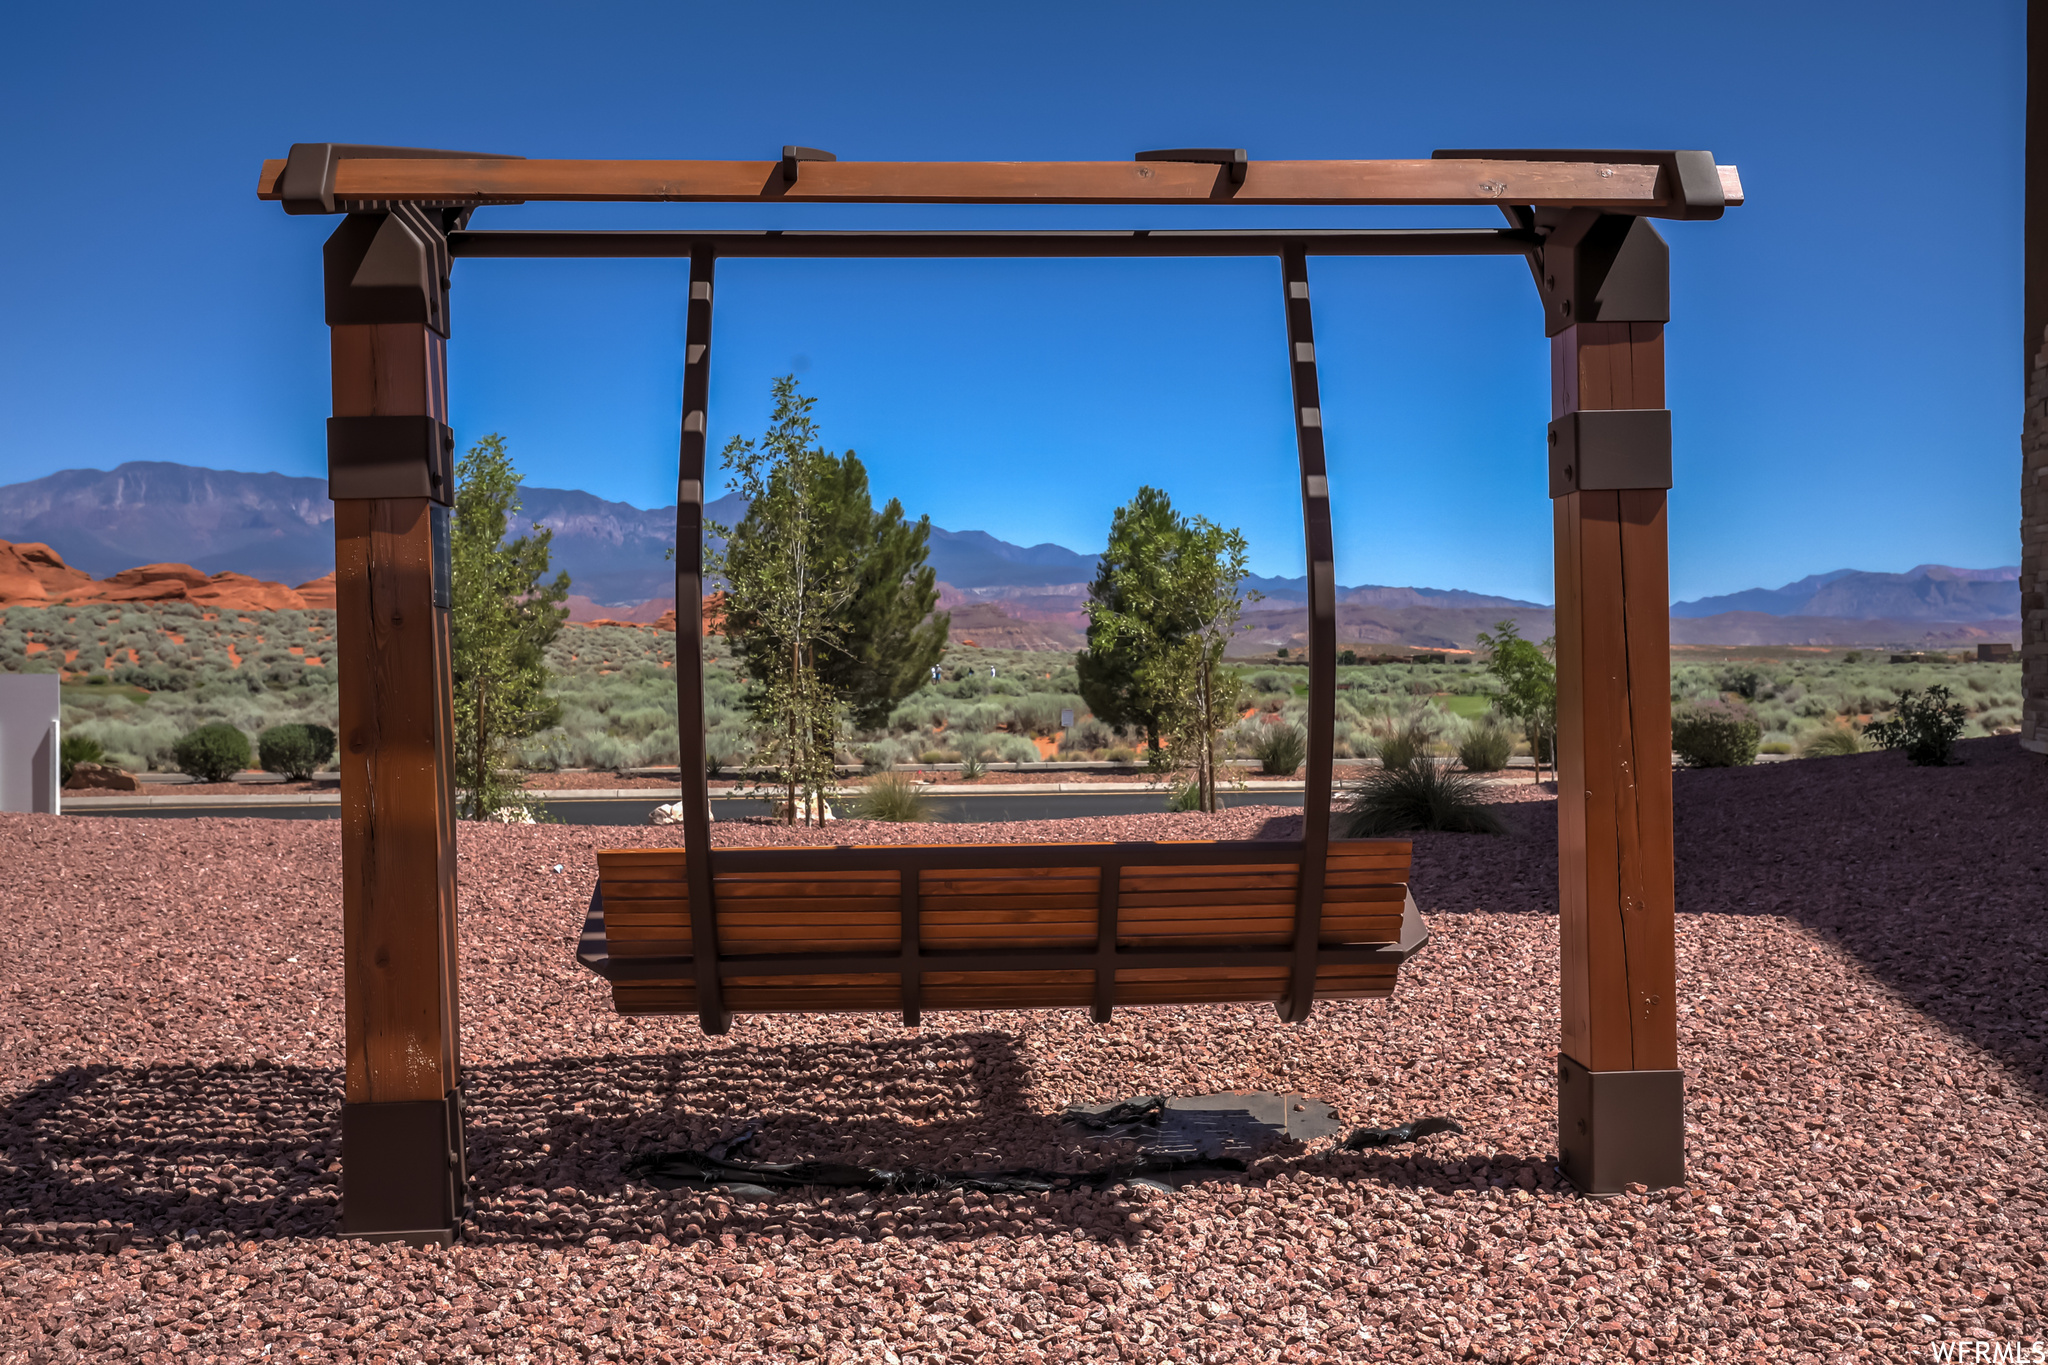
x: 1926, y: 725
x: 1715, y: 734
x: 1831, y: 741
x: 1417, y: 795
x: 1487, y: 746
x: 1280, y: 749
x: 894, y: 798
x: 77, y: 749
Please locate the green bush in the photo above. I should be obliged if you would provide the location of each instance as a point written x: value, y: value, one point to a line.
x: 971, y: 765
x: 1280, y: 749
x: 297, y: 751
x: 1121, y: 756
x: 1417, y: 795
x: 1182, y: 797
x: 1715, y: 734
x: 1832, y: 740
x: 1926, y: 725
x: 1487, y: 746
x: 77, y: 749
x: 894, y: 798
x: 212, y: 753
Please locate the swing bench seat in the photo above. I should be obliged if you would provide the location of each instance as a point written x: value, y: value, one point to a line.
x: 900, y: 929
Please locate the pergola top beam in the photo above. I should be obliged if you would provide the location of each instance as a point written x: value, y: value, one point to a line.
x: 1639, y: 189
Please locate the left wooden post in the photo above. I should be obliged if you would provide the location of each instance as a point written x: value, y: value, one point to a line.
x: 390, y: 471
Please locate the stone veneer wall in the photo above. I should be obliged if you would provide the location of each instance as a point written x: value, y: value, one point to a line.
x: 2034, y: 558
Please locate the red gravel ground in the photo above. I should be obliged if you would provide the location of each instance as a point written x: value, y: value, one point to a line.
x: 1863, y: 959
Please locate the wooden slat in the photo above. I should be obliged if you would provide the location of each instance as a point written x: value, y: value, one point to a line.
x: 996, y: 905
x: 619, y: 859
x: 1621, y: 188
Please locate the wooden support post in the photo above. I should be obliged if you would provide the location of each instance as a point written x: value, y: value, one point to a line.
x: 1620, y: 1092
x: 696, y: 793
x: 1322, y: 632
x: 391, y: 477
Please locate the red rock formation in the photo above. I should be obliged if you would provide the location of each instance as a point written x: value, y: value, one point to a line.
x: 32, y: 574
x: 319, y: 593
x: 35, y: 575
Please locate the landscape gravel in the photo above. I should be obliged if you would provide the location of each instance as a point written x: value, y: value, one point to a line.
x: 1863, y: 960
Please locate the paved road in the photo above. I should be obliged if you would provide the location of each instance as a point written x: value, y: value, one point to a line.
x: 948, y: 808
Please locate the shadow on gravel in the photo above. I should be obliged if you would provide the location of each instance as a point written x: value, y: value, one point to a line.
x: 1934, y: 878
x: 97, y: 1157
x: 551, y: 1141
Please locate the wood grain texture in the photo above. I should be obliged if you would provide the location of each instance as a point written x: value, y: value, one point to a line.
x: 398, y: 862
x: 1615, y: 874
x: 402, y: 972
x: 1621, y: 188
x: 820, y: 909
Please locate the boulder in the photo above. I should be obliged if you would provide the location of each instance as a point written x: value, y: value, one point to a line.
x: 101, y: 777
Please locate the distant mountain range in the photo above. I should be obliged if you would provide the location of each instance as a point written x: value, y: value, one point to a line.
x: 1929, y: 592
x: 276, y: 526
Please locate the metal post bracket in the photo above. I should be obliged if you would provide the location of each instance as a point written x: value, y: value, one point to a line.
x: 1610, y: 448
x: 390, y: 457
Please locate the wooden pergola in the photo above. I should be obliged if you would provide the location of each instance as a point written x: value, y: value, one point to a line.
x: 1580, y: 218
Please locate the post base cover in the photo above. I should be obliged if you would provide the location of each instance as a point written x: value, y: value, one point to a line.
x: 402, y: 1175
x: 1618, y: 1128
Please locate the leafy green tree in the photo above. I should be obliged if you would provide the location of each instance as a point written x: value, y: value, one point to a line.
x: 1173, y: 609
x: 1529, y: 678
x: 888, y: 636
x: 1108, y: 667
x: 789, y: 579
x: 503, y: 616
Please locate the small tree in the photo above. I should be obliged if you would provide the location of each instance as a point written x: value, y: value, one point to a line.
x: 789, y: 576
x: 1529, y: 677
x: 1174, y: 609
x: 503, y: 617
x: 1108, y: 667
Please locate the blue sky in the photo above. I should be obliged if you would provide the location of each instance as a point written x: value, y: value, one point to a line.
x: 1844, y: 373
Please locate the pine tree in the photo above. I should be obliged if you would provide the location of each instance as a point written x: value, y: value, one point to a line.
x: 888, y: 636
x: 502, y: 617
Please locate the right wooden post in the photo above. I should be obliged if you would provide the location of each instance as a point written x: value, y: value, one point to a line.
x: 1620, y: 1091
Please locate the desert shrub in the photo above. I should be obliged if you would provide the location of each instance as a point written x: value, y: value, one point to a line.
x: 1486, y: 746
x: 1832, y: 740
x: 1121, y: 755
x: 212, y: 753
x: 77, y: 749
x: 944, y: 756
x: 1715, y: 734
x: 1182, y: 797
x: 297, y: 751
x: 1085, y: 735
x: 1280, y: 749
x: 1775, y: 746
x: 1417, y: 795
x: 894, y: 798
x: 1925, y: 724
x: 1744, y: 680
x: 971, y: 765
x: 1013, y: 749
x: 1270, y: 682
